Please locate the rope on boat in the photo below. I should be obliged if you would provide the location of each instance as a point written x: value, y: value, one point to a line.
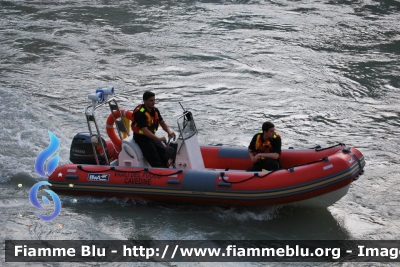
x: 80, y: 167
x: 318, y: 148
x: 177, y: 172
x: 256, y: 174
x: 144, y: 169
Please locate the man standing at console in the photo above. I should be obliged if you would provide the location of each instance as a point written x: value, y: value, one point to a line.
x: 146, y: 119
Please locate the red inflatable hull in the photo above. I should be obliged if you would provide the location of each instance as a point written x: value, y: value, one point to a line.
x: 309, y: 174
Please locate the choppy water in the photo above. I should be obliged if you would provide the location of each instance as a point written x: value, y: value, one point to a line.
x: 323, y: 71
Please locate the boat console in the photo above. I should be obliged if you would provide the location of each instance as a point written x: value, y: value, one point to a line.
x: 188, y: 154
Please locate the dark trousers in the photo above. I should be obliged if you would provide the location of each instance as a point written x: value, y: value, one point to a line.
x: 153, y: 151
x: 266, y: 164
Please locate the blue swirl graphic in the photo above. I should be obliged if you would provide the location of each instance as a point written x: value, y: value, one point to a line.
x: 52, y: 164
x: 45, y: 154
x: 35, y: 202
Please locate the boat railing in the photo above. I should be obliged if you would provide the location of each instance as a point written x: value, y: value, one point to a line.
x: 100, y: 99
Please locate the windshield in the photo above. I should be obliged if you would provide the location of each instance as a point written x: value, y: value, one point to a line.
x: 186, y: 125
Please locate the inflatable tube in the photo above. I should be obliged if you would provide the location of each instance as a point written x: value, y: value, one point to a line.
x: 110, y: 126
x: 112, y: 152
x: 318, y: 184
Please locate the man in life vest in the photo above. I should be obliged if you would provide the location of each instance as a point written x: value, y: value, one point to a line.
x: 146, y: 119
x: 265, y: 149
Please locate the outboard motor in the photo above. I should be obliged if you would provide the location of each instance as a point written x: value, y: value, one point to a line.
x: 81, y: 151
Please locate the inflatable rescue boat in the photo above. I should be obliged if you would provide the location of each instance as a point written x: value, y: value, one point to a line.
x: 199, y: 174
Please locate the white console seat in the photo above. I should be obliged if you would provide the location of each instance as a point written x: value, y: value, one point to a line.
x: 131, y: 155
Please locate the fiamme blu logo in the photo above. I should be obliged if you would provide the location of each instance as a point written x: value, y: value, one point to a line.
x: 50, y: 167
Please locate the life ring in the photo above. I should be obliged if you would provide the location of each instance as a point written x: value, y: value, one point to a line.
x: 110, y: 126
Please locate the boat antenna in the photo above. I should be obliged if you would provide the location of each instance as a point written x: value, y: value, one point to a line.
x: 182, y: 107
x: 188, y: 114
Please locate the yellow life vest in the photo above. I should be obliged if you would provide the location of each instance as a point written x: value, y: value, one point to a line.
x: 151, y: 122
x: 266, y: 146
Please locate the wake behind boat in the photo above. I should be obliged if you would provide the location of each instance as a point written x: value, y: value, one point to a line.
x: 213, y: 175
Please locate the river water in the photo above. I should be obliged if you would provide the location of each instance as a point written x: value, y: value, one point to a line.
x: 323, y: 71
